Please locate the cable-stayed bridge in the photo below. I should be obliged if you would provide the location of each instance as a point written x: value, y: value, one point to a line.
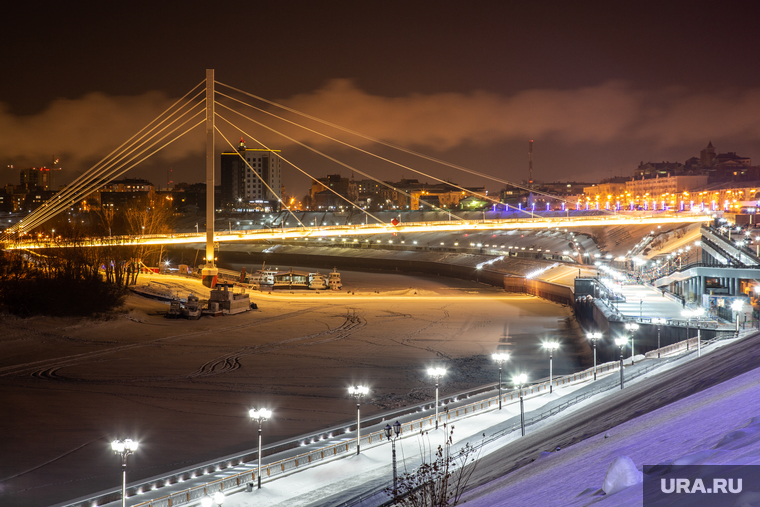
x: 352, y: 231
x: 199, y: 106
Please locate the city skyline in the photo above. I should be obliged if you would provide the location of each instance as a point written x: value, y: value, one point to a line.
x: 599, y: 89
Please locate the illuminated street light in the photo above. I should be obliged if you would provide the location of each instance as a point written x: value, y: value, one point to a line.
x: 632, y: 327
x: 621, y: 342
x: 659, y: 321
x: 389, y: 434
x: 594, y: 337
x: 436, y: 373
x: 551, y: 347
x: 500, y: 357
x: 357, y: 392
x: 736, y: 307
x: 260, y: 416
x: 209, y: 501
x: 519, y: 381
x: 124, y: 448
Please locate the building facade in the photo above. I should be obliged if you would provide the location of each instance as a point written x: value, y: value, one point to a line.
x: 251, y: 179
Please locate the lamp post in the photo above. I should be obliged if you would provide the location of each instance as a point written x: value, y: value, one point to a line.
x: 436, y: 373
x: 594, y: 337
x: 621, y: 342
x: 500, y: 357
x: 357, y: 392
x: 124, y: 448
x: 209, y: 501
x: 389, y: 434
x: 687, y: 314
x: 519, y: 381
x: 737, y: 306
x: 260, y: 415
x: 698, y: 313
x: 632, y: 327
x: 551, y: 347
x: 659, y: 321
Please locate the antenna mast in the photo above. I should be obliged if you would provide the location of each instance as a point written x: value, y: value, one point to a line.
x: 530, y: 162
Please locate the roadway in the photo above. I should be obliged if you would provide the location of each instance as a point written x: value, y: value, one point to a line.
x: 647, y: 302
x: 368, y: 229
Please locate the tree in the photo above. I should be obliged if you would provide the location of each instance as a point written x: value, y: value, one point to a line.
x: 441, y: 478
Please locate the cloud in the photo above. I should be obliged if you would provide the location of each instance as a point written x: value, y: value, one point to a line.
x: 611, y: 114
x: 81, y: 131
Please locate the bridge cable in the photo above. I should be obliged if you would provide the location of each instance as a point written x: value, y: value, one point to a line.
x: 161, y: 148
x: 391, y: 145
x: 61, y: 206
x: 300, y: 170
x: 385, y: 184
x: 97, y: 176
x: 54, y: 205
x: 463, y: 189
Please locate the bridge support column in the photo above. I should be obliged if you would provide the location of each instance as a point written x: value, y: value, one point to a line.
x: 209, y: 272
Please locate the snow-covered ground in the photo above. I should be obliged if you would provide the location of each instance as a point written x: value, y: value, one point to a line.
x: 712, y: 426
x: 716, y: 426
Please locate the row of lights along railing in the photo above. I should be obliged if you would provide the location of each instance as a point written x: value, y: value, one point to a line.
x: 392, y: 432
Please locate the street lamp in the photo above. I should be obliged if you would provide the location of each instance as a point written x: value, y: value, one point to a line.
x: 688, y: 314
x: 209, y: 501
x: 519, y: 381
x: 357, y: 392
x: 659, y: 321
x: 500, y: 357
x: 737, y: 306
x: 698, y: 313
x: 632, y: 327
x: 551, y: 347
x: 621, y: 342
x: 389, y: 434
x: 124, y: 448
x: 594, y: 337
x: 436, y: 373
x: 260, y: 415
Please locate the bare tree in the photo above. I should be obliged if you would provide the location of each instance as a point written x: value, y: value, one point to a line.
x: 442, y: 477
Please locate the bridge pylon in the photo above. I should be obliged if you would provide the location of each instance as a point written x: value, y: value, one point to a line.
x: 210, y: 271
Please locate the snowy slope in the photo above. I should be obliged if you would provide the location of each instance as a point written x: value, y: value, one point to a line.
x: 713, y: 426
x: 657, y: 418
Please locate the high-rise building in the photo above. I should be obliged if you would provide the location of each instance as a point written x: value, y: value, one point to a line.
x: 39, y: 178
x: 243, y: 184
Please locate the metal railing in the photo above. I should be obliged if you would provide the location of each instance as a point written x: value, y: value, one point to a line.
x: 237, y: 482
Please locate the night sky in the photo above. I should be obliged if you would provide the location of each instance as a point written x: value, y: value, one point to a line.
x: 598, y: 86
